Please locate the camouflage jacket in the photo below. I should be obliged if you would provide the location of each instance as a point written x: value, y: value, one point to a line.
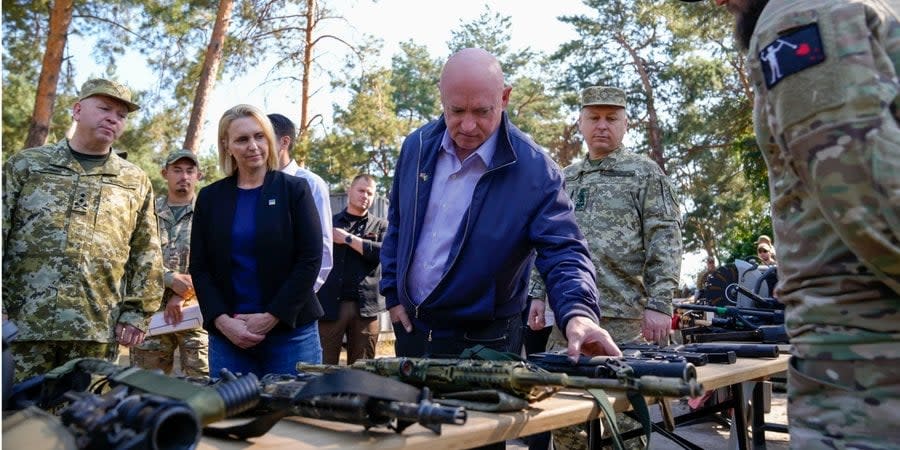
x: 626, y: 208
x: 175, y: 240
x: 826, y: 118
x: 81, y: 249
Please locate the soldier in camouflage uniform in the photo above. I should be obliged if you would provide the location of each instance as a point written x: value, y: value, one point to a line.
x: 626, y: 208
x: 82, y: 268
x: 175, y: 211
x: 826, y: 115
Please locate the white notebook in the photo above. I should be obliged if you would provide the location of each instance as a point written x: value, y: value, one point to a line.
x: 190, y: 319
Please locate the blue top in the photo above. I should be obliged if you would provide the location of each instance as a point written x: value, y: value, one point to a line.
x: 243, y: 253
x: 451, y: 195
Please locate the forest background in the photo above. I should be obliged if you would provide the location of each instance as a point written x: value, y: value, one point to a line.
x: 354, y: 96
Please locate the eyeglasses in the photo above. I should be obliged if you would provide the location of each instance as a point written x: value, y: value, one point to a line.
x: 762, y: 250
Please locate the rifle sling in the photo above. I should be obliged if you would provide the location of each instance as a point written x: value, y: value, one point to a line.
x: 359, y: 382
x: 639, y: 409
x: 254, y: 428
x: 488, y: 400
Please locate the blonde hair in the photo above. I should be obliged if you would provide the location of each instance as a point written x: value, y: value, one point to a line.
x: 226, y: 162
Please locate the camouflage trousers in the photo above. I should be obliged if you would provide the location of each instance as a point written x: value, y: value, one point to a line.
x: 844, y: 404
x: 576, y: 437
x: 39, y: 357
x: 158, y: 352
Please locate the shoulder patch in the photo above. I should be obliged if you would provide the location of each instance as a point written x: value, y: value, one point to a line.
x: 796, y: 50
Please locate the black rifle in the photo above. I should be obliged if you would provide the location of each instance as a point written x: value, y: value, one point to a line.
x: 766, y: 334
x: 611, y: 367
x: 697, y: 358
x: 349, y: 396
x: 740, y: 350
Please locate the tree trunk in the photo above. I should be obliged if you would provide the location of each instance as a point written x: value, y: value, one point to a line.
x: 303, y: 132
x: 208, y: 74
x: 39, y: 127
x: 654, y: 135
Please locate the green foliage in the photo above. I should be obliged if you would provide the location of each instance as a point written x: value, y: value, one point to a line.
x: 367, y: 132
x: 490, y: 31
x: 18, y: 102
x: 415, y: 76
x: 741, y: 243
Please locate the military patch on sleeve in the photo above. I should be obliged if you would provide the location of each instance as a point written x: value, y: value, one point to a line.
x: 799, y: 49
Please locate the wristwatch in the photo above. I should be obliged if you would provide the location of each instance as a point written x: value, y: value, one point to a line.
x: 349, y: 239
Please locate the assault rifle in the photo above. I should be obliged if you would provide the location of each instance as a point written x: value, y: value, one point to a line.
x: 716, y: 353
x: 674, y: 354
x: 518, y: 379
x: 349, y: 396
x: 132, y: 408
x: 740, y: 350
x: 766, y: 334
x: 637, y: 365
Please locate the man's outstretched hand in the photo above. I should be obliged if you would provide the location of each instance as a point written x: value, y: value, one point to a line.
x: 587, y: 338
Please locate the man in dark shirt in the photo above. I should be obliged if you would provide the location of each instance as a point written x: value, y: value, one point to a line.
x: 350, y: 294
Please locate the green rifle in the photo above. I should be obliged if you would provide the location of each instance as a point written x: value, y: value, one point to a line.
x: 517, y: 378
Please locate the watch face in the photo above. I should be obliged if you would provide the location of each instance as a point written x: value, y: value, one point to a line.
x: 348, y: 239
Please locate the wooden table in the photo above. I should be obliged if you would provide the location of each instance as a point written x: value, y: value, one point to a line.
x: 745, y: 373
x: 563, y: 409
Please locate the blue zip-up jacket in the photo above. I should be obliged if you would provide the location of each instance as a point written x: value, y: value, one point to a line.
x: 519, y: 206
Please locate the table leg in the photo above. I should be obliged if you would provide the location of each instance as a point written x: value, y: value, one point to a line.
x: 740, y: 416
x: 758, y: 411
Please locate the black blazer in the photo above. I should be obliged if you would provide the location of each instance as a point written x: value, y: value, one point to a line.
x: 288, y: 249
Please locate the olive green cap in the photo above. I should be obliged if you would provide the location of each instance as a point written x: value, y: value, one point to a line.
x: 99, y: 86
x: 602, y: 95
x: 183, y: 153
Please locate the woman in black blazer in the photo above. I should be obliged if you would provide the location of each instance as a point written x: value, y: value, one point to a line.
x: 256, y: 248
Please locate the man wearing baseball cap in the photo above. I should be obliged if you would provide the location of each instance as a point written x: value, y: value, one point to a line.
x: 175, y: 212
x: 825, y: 76
x: 82, y: 268
x: 765, y: 250
x: 625, y: 206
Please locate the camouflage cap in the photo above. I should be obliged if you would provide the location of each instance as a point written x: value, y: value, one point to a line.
x: 183, y: 153
x: 99, y: 86
x: 602, y: 95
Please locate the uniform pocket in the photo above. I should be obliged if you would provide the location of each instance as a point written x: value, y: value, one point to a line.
x: 116, y: 210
